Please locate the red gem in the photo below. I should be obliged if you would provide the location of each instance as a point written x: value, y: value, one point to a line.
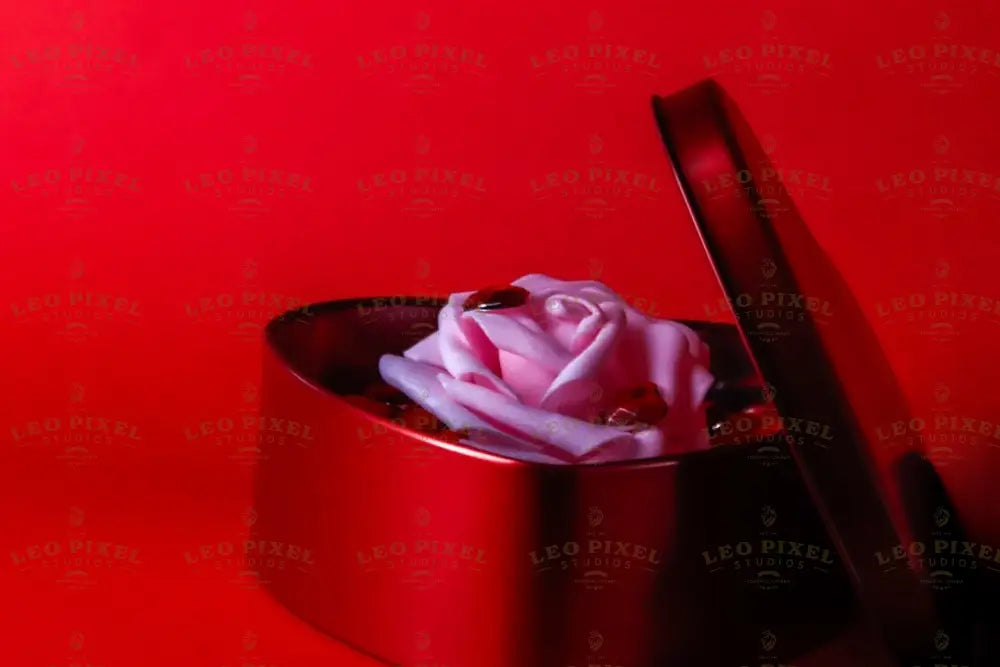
x: 641, y: 405
x: 496, y: 297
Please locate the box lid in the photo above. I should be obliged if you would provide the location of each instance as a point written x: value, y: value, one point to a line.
x: 811, y: 342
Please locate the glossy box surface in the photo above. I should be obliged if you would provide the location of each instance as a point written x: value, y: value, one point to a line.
x: 423, y: 552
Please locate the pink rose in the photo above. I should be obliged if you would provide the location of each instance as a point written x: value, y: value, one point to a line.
x: 538, y: 381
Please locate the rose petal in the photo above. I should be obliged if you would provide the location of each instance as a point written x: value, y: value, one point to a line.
x: 542, y: 285
x: 420, y: 382
x: 677, y: 362
x: 538, y: 283
x: 520, y: 335
x: 462, y: 354
x: 587, y: 365
x: 573, y: 344
x: 503, y: 444
x: 674, y: 364
x: 528, y: 379
x: 649, y: 443
x: 616, y: 450
x: 573, y: 435
x: 588, y: 316
x: 427, y: 351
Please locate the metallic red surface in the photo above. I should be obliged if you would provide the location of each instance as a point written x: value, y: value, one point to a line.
x: 818, y: 355
x: 826, y: 368
x: 426, y: 552
x: 430, y: 553
x: 125, y: 87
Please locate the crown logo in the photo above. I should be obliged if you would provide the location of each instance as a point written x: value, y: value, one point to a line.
x: 768, y: 516
x: 422, y: 144
x: 595, y: 21
x: 250, y: 145
x: 769, y: 144
x: 250, y: 516
x: 249, y: 392
x: 422, y: 516
x: 421, y: 330
x: 76, y: 517
x: 941, y: 144
x: 250, y: 269
x: 595, y: 517
x: 595, y: 144
x: 768, y: 268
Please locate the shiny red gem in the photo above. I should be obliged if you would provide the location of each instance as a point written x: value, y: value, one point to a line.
x: 641, y: 405
x: 496, y: 297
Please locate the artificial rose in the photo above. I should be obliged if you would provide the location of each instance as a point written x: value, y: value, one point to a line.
x: 536, y: 381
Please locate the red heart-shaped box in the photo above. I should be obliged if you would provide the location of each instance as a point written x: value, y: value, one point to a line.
x: 424, y: 552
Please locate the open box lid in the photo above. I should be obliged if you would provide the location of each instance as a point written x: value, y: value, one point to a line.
x: 812, y: 344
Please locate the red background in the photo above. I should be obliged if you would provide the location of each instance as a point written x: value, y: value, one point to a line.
x: 127, y: 131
